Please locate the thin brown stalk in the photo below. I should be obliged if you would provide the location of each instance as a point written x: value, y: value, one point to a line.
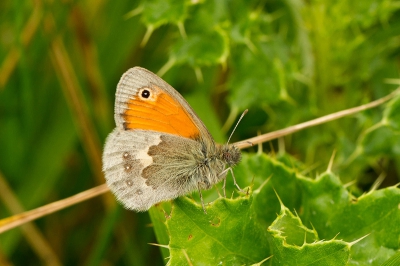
x: 73, y: 93
x: 321, y: 120
x: 19, y: 219
x: 14, y: 54
x: 101, y: 105
x: 30, y: 231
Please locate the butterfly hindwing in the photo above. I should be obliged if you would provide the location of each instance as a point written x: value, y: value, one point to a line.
x: 145, y: 167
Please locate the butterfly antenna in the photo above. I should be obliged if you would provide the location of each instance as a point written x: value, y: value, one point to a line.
x: 240, y: 119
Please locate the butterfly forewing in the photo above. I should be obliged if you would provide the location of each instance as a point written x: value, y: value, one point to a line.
x: 165, y: 110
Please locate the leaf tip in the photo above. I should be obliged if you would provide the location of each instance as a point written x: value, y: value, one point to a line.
x: 280, y: 201
x: 262, y: 185
x: 358, y: 240
x: 261, y: 262
x: 329, y: 170
x: 159, y: 245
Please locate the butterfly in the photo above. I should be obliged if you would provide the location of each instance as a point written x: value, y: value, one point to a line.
x: 160, y: 149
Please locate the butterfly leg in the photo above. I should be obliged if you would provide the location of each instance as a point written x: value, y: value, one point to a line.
x: 223, y: 187
x: 234, y: 180
x: 201, y: 198
x: 233, y: 176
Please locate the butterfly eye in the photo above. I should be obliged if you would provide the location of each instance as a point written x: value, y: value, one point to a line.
x: 145, y: 93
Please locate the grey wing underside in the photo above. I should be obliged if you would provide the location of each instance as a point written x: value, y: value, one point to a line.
x: 143, y: 168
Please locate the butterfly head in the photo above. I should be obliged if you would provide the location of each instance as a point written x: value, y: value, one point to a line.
x: 230, y: 154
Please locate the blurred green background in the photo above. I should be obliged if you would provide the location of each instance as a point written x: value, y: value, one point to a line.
x: 286, y: 61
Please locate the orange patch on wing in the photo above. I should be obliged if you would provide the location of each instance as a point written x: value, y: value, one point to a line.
x: 164, y: 114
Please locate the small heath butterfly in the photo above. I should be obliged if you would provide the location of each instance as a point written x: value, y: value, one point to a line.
x: 160, y: 149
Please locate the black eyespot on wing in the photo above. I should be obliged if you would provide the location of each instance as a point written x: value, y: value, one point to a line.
x: 145, y: 94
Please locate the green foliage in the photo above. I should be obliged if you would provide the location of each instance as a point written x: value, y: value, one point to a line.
x: 245, y: 230
x: 394, y: 260
x: 286, y: 61
x: 392, y: 114
x: 221, y: 235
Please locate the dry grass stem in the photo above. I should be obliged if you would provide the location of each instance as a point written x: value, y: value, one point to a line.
x: 19, y: 219
x: 321, y: 120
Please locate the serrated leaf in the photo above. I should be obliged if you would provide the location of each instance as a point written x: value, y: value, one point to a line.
x: 228, y: 234
x: 294, y: 244
x: 323, y: 204
x: 331, y: 209
x: 256, y: 170
x: 290, y: 228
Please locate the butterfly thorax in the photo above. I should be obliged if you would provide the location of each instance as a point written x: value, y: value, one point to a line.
x: 212, y: 162
x: 227, y: 154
